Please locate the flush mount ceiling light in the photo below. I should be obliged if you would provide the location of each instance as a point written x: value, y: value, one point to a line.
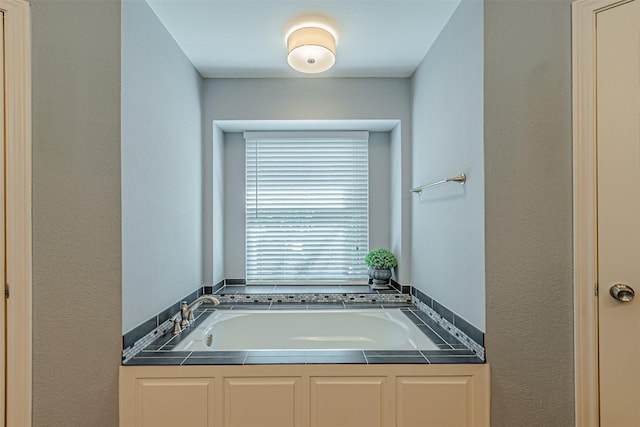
x: 311, y: 50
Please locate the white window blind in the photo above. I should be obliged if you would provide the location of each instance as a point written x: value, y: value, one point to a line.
x: 307, y: 198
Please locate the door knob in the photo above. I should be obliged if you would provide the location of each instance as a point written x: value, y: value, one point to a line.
x: 622, y: 292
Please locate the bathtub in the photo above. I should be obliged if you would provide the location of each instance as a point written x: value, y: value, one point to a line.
x: 358, y: 329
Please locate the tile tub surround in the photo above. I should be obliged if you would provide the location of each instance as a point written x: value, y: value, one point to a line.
x: 235, y: 292
x: 136, y: 339
x: 468, y: 334
x: 159, y: 352
x: 151, y: 328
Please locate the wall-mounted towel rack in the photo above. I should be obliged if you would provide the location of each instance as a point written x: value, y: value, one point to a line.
x: 462, y: 178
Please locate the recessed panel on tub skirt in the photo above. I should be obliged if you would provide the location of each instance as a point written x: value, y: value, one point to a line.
x: 262, y: 402
x: 348, y: 401
x: 171, y: 402
x: 434, y: 401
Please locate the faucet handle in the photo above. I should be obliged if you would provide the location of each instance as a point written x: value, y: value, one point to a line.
x: 176, y: 326
x: 184, y: 315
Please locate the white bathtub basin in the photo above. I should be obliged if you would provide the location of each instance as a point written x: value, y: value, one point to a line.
x: 367, y: 329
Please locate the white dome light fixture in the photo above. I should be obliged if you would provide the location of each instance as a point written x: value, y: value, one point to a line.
x: 311, y: 50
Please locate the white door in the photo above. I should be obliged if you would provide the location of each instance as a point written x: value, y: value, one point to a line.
x: 618, y: 212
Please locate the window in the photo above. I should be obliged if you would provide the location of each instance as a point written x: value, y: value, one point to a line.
x: 307, y: 200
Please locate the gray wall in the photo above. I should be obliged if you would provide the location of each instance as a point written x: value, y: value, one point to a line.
x: 76, y: 212
x: 162, y: 259
x: 311, y: 99
x: 234, y: 205
x: 234, y: 198
x: 527, y: 134
x: 400, y: 154
x: 448, y: 220
x: 214, y: 233
x: 380, y: 190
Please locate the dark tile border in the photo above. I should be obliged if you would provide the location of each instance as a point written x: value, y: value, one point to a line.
x: 403, y: 289
x: 464, y: 326
x: 213, y: 361
x: 468, y: 329
x: 426, y: 299
x: 226, y: 296
x: 303, y: 357
x: 291, y: 289
x: 212, y: 289
x: 143, y: 329
x: 443, y: 311
x: 129, y: 339
x: 450, y: 350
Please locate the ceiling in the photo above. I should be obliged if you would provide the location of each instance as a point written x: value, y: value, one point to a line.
x: 247, y: 38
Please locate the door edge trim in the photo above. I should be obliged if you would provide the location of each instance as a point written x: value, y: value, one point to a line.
x: 18, y: 211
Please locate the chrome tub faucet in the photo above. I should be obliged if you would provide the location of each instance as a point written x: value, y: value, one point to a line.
x: 186, y: 312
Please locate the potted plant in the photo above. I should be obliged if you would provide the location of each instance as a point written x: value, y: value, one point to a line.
x: 380, y: 262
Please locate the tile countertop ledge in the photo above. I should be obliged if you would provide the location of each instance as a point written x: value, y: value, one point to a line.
x: 450, y: 351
